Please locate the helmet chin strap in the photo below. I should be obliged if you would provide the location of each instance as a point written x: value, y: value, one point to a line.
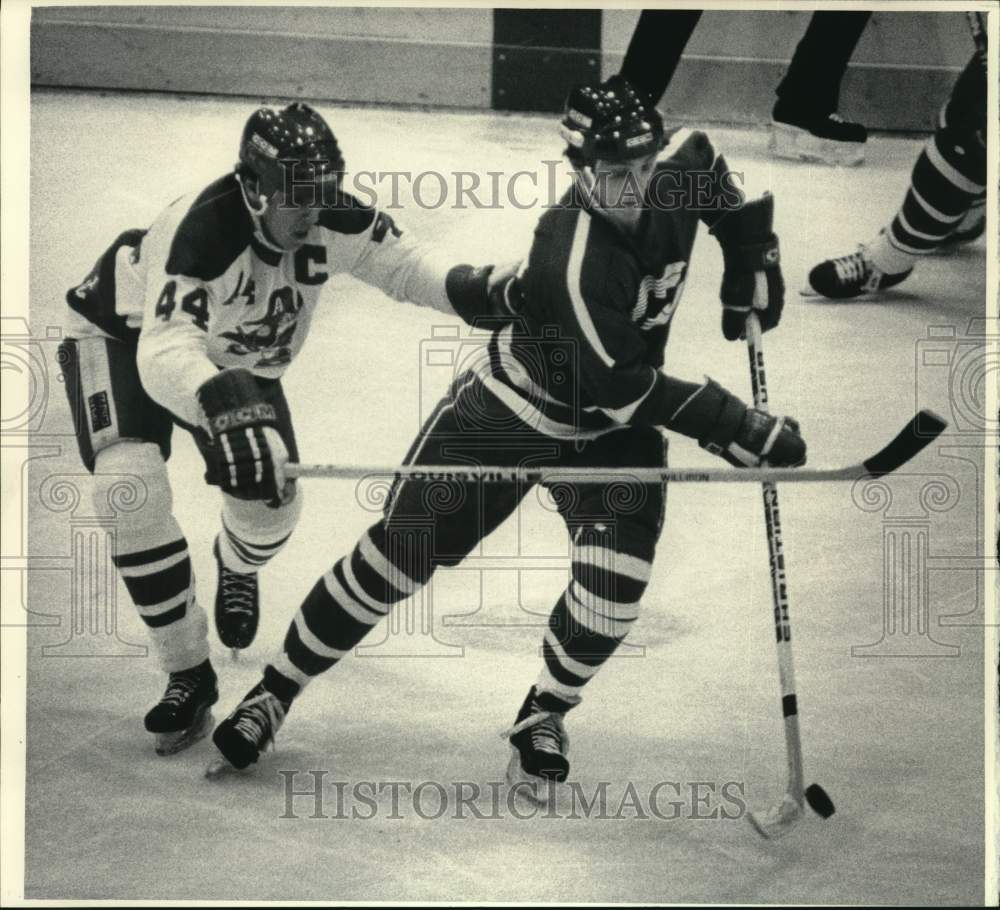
x: 257, y: 213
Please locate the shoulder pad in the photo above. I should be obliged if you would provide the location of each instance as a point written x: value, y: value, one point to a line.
x: 212, y: 233
x: 346, y: 215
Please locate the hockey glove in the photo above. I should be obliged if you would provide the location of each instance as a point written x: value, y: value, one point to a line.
x: 751, y: 278
x: 743, y: 436
x: 486, y: 294
x: 505, y: 290
x: 251, y: 453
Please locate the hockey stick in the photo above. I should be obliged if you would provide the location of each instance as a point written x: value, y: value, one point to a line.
x: 921, y: 430
x: 777, y: 821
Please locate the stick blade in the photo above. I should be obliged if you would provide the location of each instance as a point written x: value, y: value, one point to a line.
x: 922, y: 430
x: 778, y: 821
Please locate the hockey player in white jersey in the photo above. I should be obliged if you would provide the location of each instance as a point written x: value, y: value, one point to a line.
x: 192, y: 323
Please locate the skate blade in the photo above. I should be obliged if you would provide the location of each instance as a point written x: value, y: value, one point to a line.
x: 794, y: 144
x: 537, y: 791
x: 172, y: 743
x: 863, y: 297
x: 218, y: 768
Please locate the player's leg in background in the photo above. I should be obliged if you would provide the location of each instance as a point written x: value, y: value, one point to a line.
x: 124, y: 439
x: 425, y: 524
x: 805, y: 120
x: 614, y: 528
x: 944, y: 202
x: 947, y: 192
x: 965, y: 112
x: 252, y: 534
x: 655, y: 49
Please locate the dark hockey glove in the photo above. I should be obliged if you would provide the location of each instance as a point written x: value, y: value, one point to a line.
x: 743, y: 436
x: 488, y: 293
x: 506, y: 298
x: 751, y: 278
x: 251, y: 453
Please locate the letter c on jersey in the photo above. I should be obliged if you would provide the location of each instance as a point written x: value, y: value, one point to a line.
x: 305, y: 256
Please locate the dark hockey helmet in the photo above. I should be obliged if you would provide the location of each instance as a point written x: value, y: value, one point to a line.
x: 296, y: 137
x: 610, y: 122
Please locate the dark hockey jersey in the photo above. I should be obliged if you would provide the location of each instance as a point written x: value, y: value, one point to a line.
x: 203, y: 288
x: 584, y: 356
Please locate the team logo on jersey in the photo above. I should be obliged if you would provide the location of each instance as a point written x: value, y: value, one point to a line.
x: 88, y: 285
x: 271, y: 335
x: 245, y: 291
x: 658, y: 297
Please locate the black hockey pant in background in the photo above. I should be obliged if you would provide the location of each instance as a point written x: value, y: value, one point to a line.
x: 811, y: 84
x: 656, y: 47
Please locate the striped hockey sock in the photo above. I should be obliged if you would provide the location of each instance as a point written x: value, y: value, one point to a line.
x: 246, y: 556
x: 593, y: 616
x: 948, y: 180
x: 343, y: 607
x: 161, y: 584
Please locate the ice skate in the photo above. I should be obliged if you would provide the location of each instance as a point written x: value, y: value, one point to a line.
x: 850, y: 276
x: 237, y: 606
x: 827, y: 139
x: 184, y: 715
x: 247, y: 732
x: 539, y: 744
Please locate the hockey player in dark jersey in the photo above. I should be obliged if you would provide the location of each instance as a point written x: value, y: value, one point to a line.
x: 192, y: 323
x: 944, y: 205
x: 573, y: 379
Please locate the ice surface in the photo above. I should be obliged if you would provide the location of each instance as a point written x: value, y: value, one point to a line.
x: 897, y: 741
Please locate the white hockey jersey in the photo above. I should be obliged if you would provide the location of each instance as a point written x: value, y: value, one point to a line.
x: 207, y: 290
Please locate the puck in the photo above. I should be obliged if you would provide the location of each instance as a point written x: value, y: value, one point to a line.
x: 818, y: 801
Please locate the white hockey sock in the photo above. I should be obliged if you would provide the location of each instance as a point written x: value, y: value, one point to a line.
x: 184, y: 643
x: 152, y: 557
x: 253, y: 533
x: 886, y: 257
